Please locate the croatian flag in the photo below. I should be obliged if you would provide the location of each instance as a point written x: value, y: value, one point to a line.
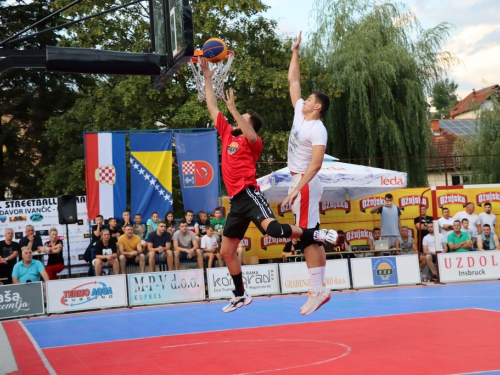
x: 105, y: 174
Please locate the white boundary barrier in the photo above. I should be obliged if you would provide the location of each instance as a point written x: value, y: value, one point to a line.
x: 166, y: 287
x: 469, y: 266
x: 385, y: 271
x: 86, y: 293
x: 295, y: 277
x: 260, y: 279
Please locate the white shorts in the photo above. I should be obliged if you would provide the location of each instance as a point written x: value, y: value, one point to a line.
x: 306, y: 206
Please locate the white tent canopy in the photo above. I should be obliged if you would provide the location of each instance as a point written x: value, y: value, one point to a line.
x: 340, y: 181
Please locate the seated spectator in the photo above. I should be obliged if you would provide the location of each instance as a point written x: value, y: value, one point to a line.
x: 487, y: 240
x: 210, y: 246
x: 429, y: 249
x: 171, y: 223
x: 159, y: 246
x: 470, y: 232
x: 96, y: 229
x: 114, y: 231
x: 125, y: 219
x: 54, y: 248
x: 29, y: 269
x: 405, y: 243
x: 376, y: 234
x: 218, y: 222
x: 191, y: 224
x: 140, y: 230
x: 186, y: 246
x: 292, y: 247
x: 201, y: 224
x: 31, y: 241
x: 458, y: 241
x: 130, y: 250
x: 106, y: 254
x: 152, y: 223
x: 9, y: 251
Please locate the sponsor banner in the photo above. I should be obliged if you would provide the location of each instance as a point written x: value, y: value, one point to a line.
x: 18, y: 300
x: 294, y: 276
x: 259, y: 279
x: 166, y: 287
x: 469, y: 266
x: 385, y: 271
x: 86, y: 293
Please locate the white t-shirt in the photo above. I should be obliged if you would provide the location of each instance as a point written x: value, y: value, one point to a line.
x: 303, y: 136
x: 485, y: 218
x: 442, y: 222
x: 431, y: 246
x: 208, y: 242
x: 473, y: 220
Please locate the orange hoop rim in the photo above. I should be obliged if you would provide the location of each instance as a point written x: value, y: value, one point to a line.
x: 199, y: 53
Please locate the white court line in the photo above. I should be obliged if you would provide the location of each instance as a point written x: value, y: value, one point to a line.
x: 347, y: 352
x: 478, y: 372
x: 44, y: 359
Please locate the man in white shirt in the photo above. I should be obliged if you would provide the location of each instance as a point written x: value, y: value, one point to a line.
x: 429, y: 248
x: 469, y: 214
x: 445, y: 222
x: 487, y: 217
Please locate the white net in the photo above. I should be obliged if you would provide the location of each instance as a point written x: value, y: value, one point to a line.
x: 220, y: 75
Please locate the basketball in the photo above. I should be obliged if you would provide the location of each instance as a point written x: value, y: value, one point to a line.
x: 214, y: 50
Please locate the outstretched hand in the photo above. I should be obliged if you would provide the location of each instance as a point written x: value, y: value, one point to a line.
x: 229, y: 100
x: 290, y: 199
x: 297, y: 42
x: 205, y: 68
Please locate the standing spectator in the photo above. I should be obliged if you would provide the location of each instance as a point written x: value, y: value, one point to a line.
x: 171, y: 224
x: 159, y: 246
x: 9, y: 251
x: 390, y: 219
x: 106, y: 254
x: 202, y: 223
x: 218, y: 222
x: 139, y: 228
x: 114, y: 231
x: 421, y: 225
x: 469, y: 214
x: 130, y: 249
x: 458, y: 241
x: 191, y: 224
x: 429, y: 246
x: 186, y: 246
x: 470, y: 232
x: 487, y: 240
x: 376, y: 235
x: 28, y: 269
x: 31, y: 241
x: 96, y: 229
x: 54, y: 247
x: 445, y: 223
x: 152, y: 223
x: 210, y: 246
x: 292, y: 247
x: 487, y: 217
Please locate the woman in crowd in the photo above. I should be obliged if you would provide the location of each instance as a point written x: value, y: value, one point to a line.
x: 152, y: 223
x: 106, y: 254
x: 169, y: 218
x: 54, y: 247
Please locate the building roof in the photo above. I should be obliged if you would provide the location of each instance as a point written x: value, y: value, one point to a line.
x: 475, y: 98
x: 461, y: 127
x: 443, y: 142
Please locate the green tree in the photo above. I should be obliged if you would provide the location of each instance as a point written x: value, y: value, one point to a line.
x: 444, y: 97
x: 378, y: 63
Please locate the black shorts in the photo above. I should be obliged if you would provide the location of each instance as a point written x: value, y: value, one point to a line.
x: 249, y: 205
x: 131, y: 260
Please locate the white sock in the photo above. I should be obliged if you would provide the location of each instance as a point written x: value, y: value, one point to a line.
x: 316, y: 279
x: 323, y: 270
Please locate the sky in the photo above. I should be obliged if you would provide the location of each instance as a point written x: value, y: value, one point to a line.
x: 475, y: 39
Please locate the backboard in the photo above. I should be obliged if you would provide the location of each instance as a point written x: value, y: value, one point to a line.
x: 171, y: 23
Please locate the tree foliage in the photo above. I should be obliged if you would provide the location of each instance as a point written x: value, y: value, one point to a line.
x: 379, y: 64
x: 444, y: 97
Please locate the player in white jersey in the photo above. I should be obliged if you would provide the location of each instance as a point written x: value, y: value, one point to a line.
x: 306, y: 149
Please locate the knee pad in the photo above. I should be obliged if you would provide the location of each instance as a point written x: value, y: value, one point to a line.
x: 277, y: 230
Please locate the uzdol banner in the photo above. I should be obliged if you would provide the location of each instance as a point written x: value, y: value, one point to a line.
x: 86, y: 293
x: 18, y: 300
x: 166, y: 287
x: 469, y: 266
x: 295, y: 276
x: 259, y: 279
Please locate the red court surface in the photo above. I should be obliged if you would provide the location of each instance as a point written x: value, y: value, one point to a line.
x: 446, y: 342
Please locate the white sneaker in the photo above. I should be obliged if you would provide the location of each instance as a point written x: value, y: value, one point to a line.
x: 315, y: 301
x: 237, y: 302
x: 326, y: 236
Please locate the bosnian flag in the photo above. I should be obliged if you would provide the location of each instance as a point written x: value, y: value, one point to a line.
x: 105, y: 174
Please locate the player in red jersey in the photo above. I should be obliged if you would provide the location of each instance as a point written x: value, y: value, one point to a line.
x: 241, y: 149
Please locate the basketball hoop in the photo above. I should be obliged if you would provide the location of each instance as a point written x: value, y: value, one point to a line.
x: 221, y: 69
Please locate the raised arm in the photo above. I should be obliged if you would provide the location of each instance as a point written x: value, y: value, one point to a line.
x: 212, y: 106
x: 243, y: 124
x: 294, y: 72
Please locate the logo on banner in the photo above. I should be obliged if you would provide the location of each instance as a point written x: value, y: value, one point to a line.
x: 247, y: 243
x: 384, y: 270
x: 13, y: 219
x: 13, y: 302
x: 284, y: 209
x: 452, y: 199
x: 370, y: 202
x: 358, y: 234
x: 84, y: 293
x: 196, y: 173
x: 106, y: 174
x: 36, y: 217
x: 413, y: 200
x: 328, y: 206
x: 3, y: 219
x: 491, y: 196
x: 391, y: 181
x: 270, y: 241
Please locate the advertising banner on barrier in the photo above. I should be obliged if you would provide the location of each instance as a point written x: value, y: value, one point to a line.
x: 20, y: 300
x: 166, y: 287
x: 470, y: 266
x: 260, y: 279
x: 385, y: 271
x: 295, y: 277
x: 86, y: 293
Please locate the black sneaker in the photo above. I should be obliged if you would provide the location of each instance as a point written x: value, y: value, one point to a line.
x: 237, y: 302
x: 434, y: 278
